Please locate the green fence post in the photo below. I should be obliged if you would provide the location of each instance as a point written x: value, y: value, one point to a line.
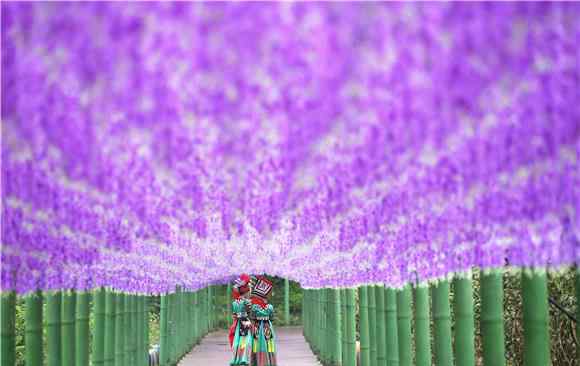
x: 464, y: 348
x: 350, y: 327
x: 365, y: 356
x: 195, y: 317
x: 163, y: 351
x: 82, y: 329
x: 392, y: 338
x: 345, y: 354
x: 404, y: 326
x: 371, y: 295
x: 127, y: 329
x: 535, y: 304
x: 140, y: 349
x: 99, y: 303
x: 286, y: 301
x: 8, y: 323
x: 422, y: 326
x: 53, y: 329
x: 578, y: 306
x: 380, y: 326
x: 338, y: 327
x: 33, y: 329
x: 146, y: 330
x: 110, y: 327
x: 137, y: 324
x: 442, y: 324
x: 492, y: 327
x: 68, y: 328
x: 120, y: 330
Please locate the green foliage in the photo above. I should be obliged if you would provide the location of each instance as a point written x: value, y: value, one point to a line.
x: 277, y: 300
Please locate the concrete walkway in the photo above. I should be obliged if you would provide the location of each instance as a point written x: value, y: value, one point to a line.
x: 214, y: 350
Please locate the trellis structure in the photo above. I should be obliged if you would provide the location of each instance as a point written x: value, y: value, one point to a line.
x: 150, y: 146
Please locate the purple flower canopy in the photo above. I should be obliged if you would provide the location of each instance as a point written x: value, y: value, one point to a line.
x: 146, y: 146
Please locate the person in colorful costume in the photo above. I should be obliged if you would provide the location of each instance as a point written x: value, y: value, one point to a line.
x: 264, y: 347
x: 241, y: 331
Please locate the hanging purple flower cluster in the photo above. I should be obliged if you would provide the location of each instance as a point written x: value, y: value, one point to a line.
x: 146, y: 146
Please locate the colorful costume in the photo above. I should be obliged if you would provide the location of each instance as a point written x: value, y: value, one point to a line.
x: 241, y: 335
x: 264, y: 347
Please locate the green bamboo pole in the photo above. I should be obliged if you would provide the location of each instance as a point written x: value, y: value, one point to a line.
x: 422, y: 326
x: 286, y: 301
x: 464, y: 328
x: 170, y: 327
x: 536, y: 318
x: 404, y: 326
x: 99, y: 303
x: 8, y: 323
x: 442, y: 324
x: 337, y: 339
x: 110, y: 327
x: 492, y: 326
x: 163, y: 351
x: 365, y: 356
x: 380, y: 326
x: 195, y: 317
x: 146, y: 330
x: 127, y: 319
x: 350, y: 328
x: 578, y: 306
x: 330, y: 326
x: 344, y: 327
x: 53, y: 324
x: 392, y: 338
x: 82, y: 329
x: 68, y: 328
x: 120, y: 326
x: 373, y: 323
x: 136, y: 330
x: 33, y: 329
x: 139, y: 349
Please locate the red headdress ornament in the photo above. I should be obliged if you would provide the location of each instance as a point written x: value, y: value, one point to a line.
x: 241, y: 286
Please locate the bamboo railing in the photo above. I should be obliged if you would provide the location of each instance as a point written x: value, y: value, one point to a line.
x: 398, y: 327
x: 119, y: 335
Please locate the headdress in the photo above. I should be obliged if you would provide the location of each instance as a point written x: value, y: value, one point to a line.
x: 262, y: 288
x: 241, y: 286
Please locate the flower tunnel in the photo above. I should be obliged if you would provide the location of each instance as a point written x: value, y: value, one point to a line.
x: 376, y: 154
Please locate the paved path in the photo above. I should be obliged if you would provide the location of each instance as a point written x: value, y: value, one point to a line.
x: 214, y: 350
